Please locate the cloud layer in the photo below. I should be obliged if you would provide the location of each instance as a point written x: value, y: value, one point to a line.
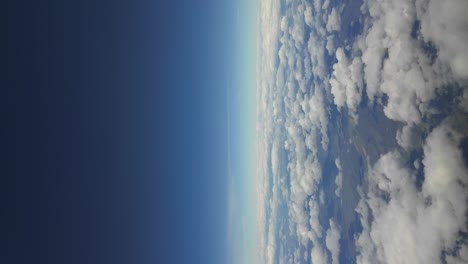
x: 411, y: 224
x: 406, y: 56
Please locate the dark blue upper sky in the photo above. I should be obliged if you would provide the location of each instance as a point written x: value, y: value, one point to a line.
x: 114, y: 132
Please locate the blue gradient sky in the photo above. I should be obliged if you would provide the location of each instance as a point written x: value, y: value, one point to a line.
x: 241, y: 119
x: 117, y: 140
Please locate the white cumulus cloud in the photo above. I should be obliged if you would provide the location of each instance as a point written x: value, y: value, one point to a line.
x: 338, y: 178
x: 334, y: 21
x: 412, y: 225
x: 333, y: 241
x: 346, y: 83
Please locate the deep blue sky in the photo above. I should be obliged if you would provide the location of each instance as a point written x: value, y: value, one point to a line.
x: 114, y: 134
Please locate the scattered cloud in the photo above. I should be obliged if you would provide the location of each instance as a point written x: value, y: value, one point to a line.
x: 396, y: 58
x: 333, y: 241
x: 445, y: 24
x: 402, y: 60
x: 292, y: 118
x: 406, y: 137
x: 338, y: 178
x: 319, y: 255
x: 412, y: 225
x: 330, y: 44
x: 334, y: 21
x: 346, y: 83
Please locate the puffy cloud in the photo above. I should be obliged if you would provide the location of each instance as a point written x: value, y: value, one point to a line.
x: 322, y: 197
x: 330, y: 44
x: 446, y: 25
x: 293, y: 111
x: 394, y: 64
x: 305, y: 121
x: 308, y: 16
x: 391, y: 59
x: 407, y: 138
x: 334, y: 21
x: 338, y: 178
x: 403, y: 222
x: 346, y: 83
x: 297, y: 31
x: 333, y: 241
x: 318, y: 255
x: 412, y: 225
x: 446, y: 180
x: 397, y: 62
